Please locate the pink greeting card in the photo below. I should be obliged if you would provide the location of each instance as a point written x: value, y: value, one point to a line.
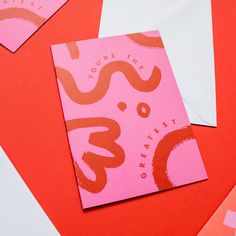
x: 19, y: 19
x: 127, y: 126
x: 223, y: 222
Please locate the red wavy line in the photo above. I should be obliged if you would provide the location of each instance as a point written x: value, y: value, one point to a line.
x: 70, y: 87
x: 97, y: 163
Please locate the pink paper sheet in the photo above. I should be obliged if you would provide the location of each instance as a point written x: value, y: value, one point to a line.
x: 127, y: 126
x: 223, y: 221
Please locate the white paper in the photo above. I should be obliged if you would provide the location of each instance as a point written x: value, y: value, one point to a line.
x: 186, y: 29
x: 20, y: 213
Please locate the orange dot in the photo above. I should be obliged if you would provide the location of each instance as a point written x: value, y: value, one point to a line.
x: 143, y: 109
x: 122, y: 106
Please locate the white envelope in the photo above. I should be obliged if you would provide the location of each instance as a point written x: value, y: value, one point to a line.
x: 20, y: 213
x: 186, y: 29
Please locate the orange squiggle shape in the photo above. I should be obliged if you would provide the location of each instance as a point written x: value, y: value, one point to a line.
x: 146, y: 41
x: 97, y: 163
x: 70, y: 87
x: 162, y: 153
x: 22, y: 13
x: 73, y: 50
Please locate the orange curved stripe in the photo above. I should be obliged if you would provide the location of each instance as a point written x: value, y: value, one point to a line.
x: 97, y: 163
x: 162, y: 153
x: 73, y: 50
x: 146, y: 41
x: 22, y: 13
x: 70, y: 87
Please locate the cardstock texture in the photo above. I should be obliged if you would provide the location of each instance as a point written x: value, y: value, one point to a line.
x: 20, y: 213
x: 223, y: 221
x: 20, y: 19
x: 127, y: 126
x: 186, y: 29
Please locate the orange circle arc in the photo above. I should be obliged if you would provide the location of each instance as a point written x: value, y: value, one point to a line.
x: 162, y: 153
x: 21, y: 13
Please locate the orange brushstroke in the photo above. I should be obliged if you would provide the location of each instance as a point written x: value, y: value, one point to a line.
x: 70, y: 87
x: 162, y: 153
x: 146, y: 41
x: 21, y: 13
x: 73, y: 50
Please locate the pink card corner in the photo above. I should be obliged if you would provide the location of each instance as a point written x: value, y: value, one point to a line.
x: 20, y: 19
x: 223, y: 221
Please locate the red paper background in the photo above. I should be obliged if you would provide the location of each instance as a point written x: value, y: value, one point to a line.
x: 32, y: 132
